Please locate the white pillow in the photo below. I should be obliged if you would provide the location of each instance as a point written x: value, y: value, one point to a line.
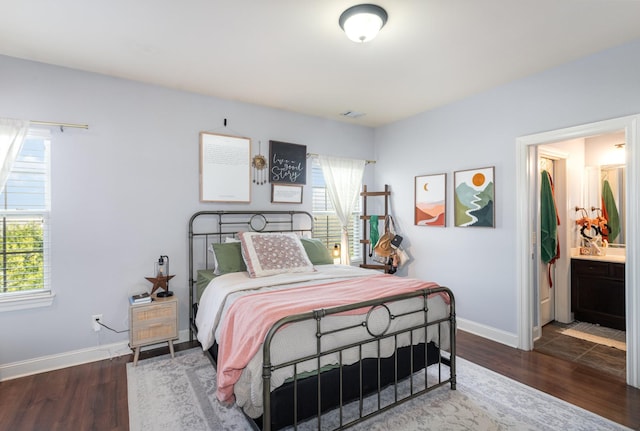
x: 274, y: 253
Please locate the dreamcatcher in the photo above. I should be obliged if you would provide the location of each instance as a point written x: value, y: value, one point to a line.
x: 259, y: 164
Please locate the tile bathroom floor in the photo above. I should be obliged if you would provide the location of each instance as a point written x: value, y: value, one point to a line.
x: 604, y: 358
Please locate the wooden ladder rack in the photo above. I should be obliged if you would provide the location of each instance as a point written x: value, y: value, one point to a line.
x: 365, y: 217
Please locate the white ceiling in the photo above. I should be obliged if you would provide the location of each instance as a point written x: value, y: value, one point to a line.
x: 292, y: 55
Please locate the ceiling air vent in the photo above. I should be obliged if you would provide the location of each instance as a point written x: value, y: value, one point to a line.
x: 353, y: 114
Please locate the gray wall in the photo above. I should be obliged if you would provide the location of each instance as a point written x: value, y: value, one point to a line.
x: 479, y: 264
x: 123, y: 191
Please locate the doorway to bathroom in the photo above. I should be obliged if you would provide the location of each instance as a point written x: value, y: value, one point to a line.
x: 561, y: 191
x: 530, y: 321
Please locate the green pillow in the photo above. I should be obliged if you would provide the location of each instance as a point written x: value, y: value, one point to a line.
x: 228, y: 258
x: 317, y: 252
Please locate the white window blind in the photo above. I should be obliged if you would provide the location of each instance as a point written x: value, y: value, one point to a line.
x: 326, y: 225
x: 24, y: 220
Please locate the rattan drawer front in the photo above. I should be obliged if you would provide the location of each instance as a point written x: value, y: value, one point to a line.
x: 143, y: 314
x: 153, y: 323
x: 153, y: 333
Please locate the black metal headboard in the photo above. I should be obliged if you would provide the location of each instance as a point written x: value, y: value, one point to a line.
x: 206, y: 227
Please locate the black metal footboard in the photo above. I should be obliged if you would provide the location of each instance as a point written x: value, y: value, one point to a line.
x: 400, y: 377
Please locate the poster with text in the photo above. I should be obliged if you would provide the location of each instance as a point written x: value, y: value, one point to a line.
x: 287, y: 163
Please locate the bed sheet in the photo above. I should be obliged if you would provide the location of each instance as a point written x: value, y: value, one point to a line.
x: 204, y: 278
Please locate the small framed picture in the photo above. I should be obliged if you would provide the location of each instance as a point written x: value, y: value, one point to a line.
x: 430, y: 207
x: 286, y: 194
x: 474, y: 193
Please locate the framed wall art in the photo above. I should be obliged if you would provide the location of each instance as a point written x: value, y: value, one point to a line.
x: 287, y: 163
x: 286, y: 194
x: 474, y: 197
x: 225, y: 168
x: 430, y: 207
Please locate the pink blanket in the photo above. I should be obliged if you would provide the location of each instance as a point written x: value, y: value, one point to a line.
x: 250, y: 317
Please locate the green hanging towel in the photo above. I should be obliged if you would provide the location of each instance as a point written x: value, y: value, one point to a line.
x: 373, y: 233
x: 549, y: 221
x: 610, y: 211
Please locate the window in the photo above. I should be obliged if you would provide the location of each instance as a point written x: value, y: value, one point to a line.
x: 24, y: 223
x: 326, y: 225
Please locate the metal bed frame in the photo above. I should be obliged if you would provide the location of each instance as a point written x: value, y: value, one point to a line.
x: 334, y: 389
x: 218, y: 225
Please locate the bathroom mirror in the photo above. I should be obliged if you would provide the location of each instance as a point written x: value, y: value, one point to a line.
x: 613, y: 177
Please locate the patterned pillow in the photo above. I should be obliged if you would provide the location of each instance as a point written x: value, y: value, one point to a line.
x: 274, y: 253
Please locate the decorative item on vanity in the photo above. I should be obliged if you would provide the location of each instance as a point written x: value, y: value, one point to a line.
x: 362, y: 22
x: 259, y: 164
x: 161, y: 280
x: 593, y: 233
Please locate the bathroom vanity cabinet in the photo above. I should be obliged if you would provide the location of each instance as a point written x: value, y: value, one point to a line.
x: 598, y: 292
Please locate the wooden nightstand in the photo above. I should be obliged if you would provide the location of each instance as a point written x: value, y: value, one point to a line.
x: 152, y: 323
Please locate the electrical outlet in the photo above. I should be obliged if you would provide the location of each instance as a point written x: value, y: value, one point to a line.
x: 94, y: 322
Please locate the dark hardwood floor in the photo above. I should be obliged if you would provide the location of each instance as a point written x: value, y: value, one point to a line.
x: 94, y: 396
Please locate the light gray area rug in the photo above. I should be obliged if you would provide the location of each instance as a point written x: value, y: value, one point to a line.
x: 179, y: 394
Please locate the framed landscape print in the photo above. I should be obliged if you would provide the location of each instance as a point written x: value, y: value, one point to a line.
x: 430, y: 207
x: 474, y: 198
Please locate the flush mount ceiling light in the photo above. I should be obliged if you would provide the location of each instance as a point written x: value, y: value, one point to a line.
x: 362, y: 22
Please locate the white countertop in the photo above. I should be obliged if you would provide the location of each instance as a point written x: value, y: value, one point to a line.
x: 615, y: 255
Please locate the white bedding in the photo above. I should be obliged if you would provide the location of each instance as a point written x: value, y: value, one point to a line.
x: 294, y: 341
x: 221, y: 291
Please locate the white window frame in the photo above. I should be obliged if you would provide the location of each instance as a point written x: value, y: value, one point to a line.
x: 12, y: 301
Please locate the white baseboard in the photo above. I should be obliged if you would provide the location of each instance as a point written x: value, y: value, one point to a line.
x: 484, y: 331
x: 75, y: 357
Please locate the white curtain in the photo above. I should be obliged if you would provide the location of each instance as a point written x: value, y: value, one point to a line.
x: 343, y: 178
x: 12, y: 134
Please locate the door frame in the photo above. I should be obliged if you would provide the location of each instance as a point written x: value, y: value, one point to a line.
x: 526, y: 174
